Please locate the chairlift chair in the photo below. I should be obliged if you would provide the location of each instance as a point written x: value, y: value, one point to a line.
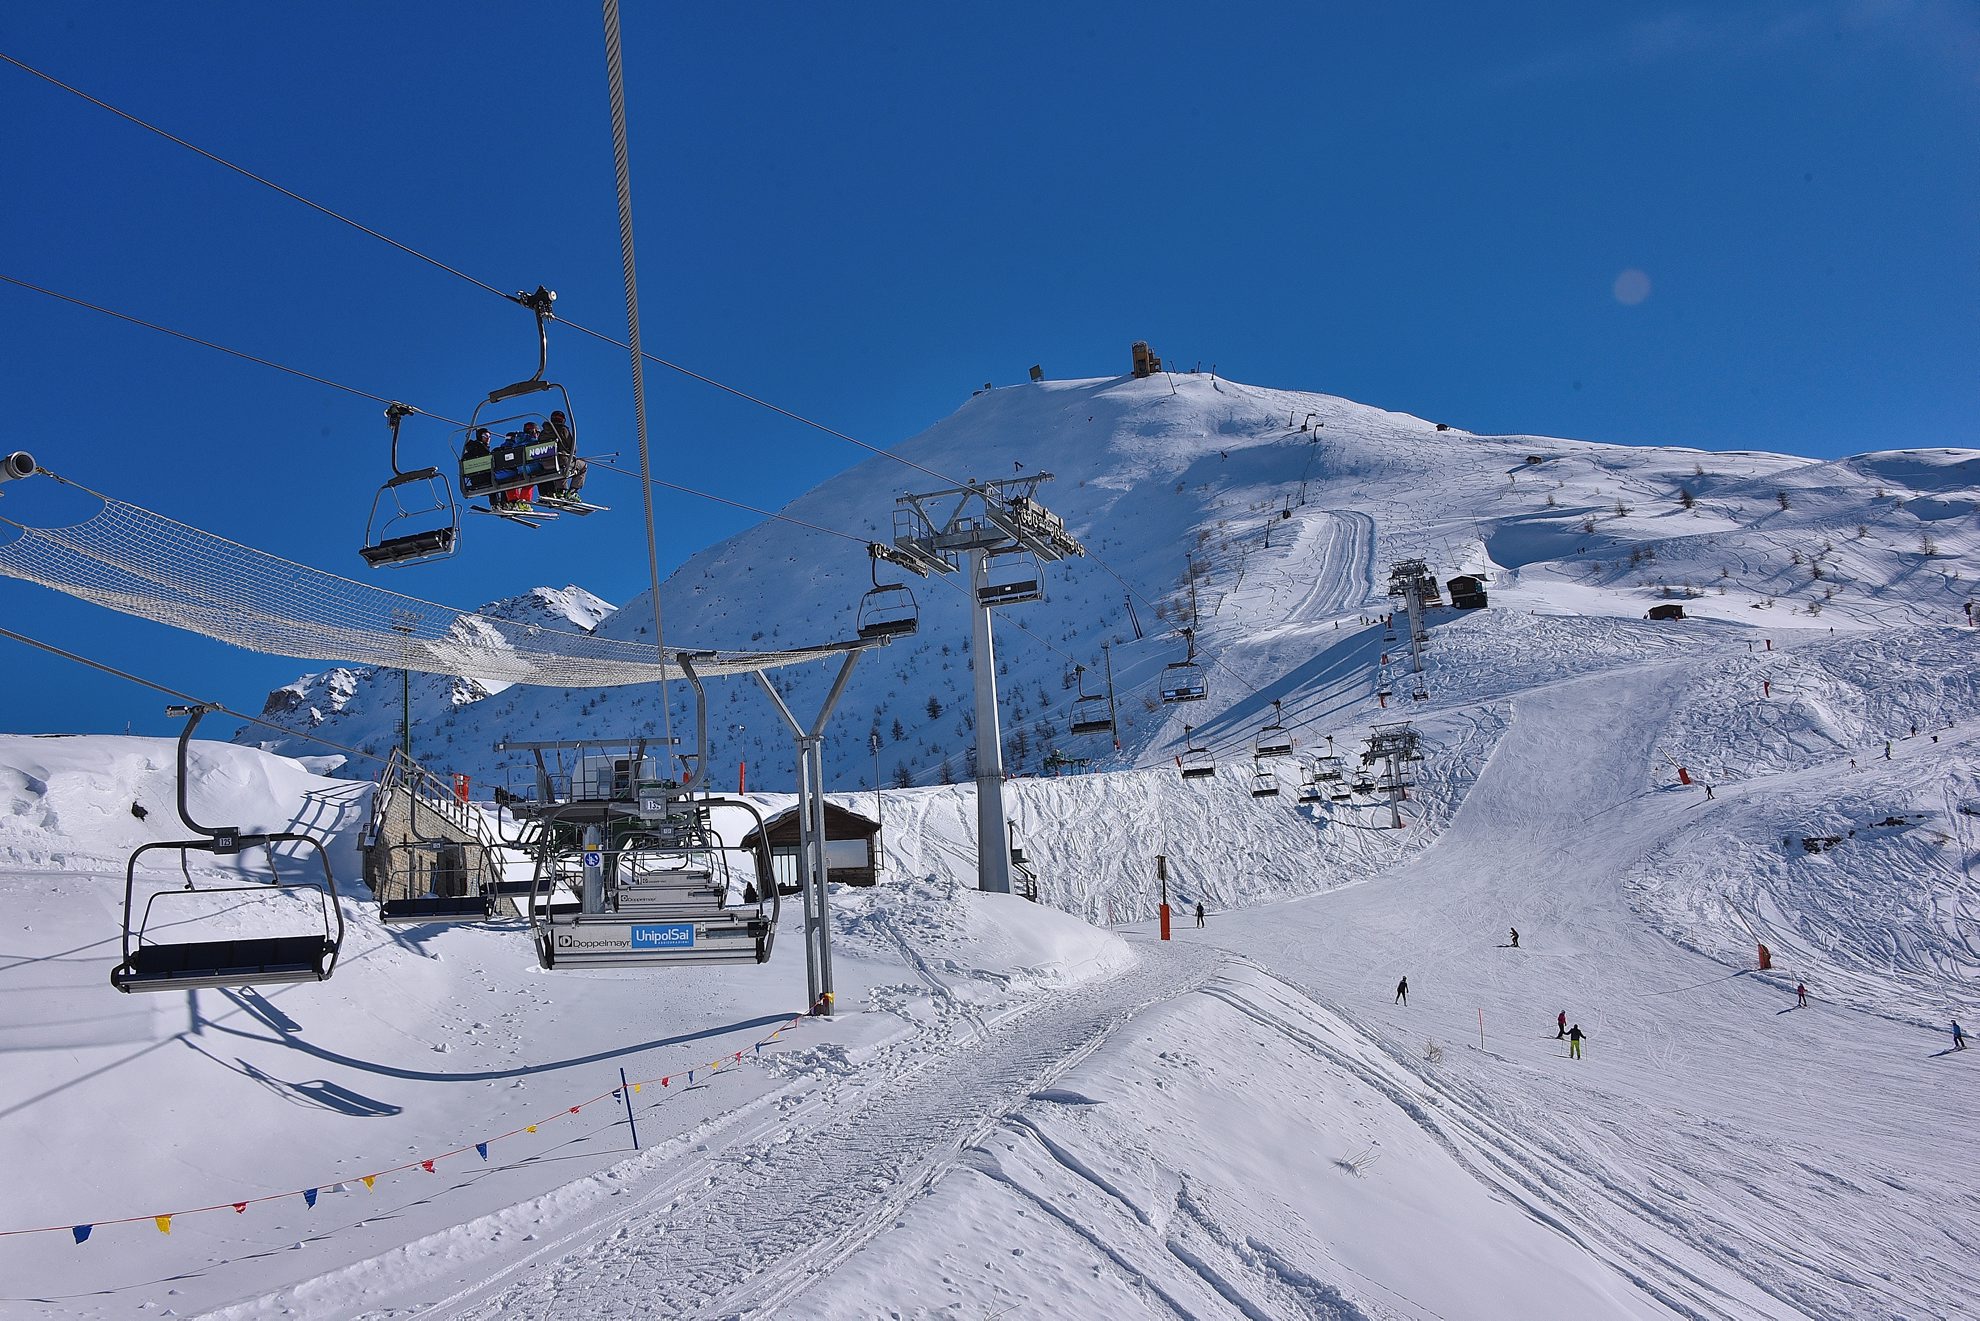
x: 1092, y: 713
x: 156, y: 965
x: 512, y: 462
x: 1264, y: 784
x: 889, y: 610
x: 1196, y: 762
x: 431, y: 881
x: 427, y: 877
x: 414, y: 517
x: 1327, y: 769
x: 1010, y: 577
x: 1273, y: 740
x: 1310, y: 790
x: 1186, y: 680
x: 663, y: 901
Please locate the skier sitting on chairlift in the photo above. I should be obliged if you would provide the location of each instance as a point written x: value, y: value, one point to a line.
x: 518, y: 500
x: 478, y: 446
x: 560, y: 430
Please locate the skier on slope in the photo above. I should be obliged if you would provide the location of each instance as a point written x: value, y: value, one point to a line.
x: 1801, y: 996
x: 1402, y: 991
x: 1560, y: 1033
x: 1575, y: 1035
x: 1959, y: 1037
x: 1199, y: 912
x: 1515, y: 937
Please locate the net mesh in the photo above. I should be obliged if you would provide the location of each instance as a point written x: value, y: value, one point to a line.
x: 141, y: 563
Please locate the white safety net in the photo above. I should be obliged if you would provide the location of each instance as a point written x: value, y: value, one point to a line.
x: 141, y: 563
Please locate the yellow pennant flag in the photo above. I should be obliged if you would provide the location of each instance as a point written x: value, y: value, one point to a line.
x: 530, y: 1129
x: 635, y: 1089
x: 164, y: 1224
x: 369, y: 1179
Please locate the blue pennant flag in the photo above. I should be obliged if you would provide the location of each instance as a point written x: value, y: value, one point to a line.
x: 82, y: 1232
x: 482, y: 1149
x: 309, y: 1195
x: 690, y: 1077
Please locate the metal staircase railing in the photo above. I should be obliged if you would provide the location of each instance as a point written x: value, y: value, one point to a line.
x: 427, y: 792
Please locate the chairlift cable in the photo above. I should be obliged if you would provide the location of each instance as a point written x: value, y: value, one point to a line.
x: 734, y: 504
x: 618, y: 114
x: 207, y: 343
x: 454, y: 422
x: 111, y: 670
x: 423, y: 412
x: 622, y: 177
x: 477, y: 283
x: 244, y: 171
x: 506, y: 297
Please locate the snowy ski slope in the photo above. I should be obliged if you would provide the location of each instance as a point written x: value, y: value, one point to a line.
x: 1043, y: 1110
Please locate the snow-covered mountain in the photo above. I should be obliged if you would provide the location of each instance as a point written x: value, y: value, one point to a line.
x: 1020, y: 1113
x: 362, y: 706
x: 1292, y: 505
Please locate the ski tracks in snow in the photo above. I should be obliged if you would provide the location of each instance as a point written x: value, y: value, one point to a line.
x: 754, y: 1225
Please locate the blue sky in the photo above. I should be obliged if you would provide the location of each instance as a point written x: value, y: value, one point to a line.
x: 1726, y: 225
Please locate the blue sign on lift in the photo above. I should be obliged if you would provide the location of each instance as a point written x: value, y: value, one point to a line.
x: 669, y: 935
x: 593, y: 858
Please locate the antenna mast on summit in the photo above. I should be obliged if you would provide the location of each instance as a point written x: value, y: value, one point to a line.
x: 1003, y: 534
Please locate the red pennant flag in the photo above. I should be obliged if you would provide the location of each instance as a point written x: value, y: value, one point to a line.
x: 664, y: 1081
x: 240, y: 1208
x: 427, y: 1165
x: 574, y: 1109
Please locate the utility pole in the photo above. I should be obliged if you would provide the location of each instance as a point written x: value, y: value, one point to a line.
x: 980, y: 525
x: 402, y: 624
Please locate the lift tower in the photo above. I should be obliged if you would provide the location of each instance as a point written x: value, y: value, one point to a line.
x: 1395, y: 746
x: 1002, y: 534
x: 1414, y: 583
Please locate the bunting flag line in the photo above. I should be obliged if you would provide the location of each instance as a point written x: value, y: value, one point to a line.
x: 81, y: 1232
